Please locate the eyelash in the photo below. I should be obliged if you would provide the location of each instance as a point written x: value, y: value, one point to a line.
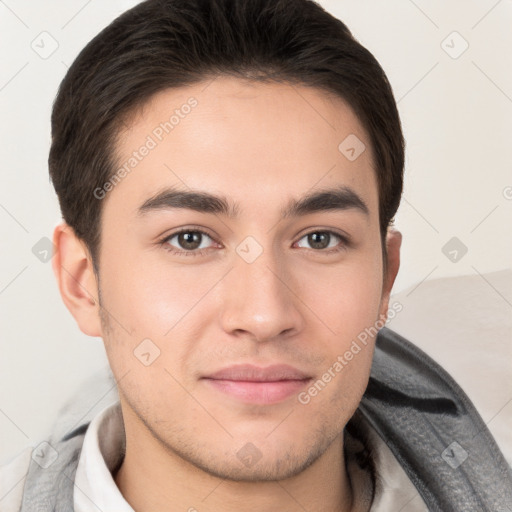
x: 164, y: 242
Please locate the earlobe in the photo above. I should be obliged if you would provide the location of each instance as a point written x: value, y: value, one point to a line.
x: 393, y: 244
x: 76, y: 280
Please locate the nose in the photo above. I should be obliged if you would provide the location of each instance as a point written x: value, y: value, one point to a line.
x: 260, y: 299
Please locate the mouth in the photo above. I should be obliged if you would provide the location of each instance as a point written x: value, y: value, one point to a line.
x: 252, y: 384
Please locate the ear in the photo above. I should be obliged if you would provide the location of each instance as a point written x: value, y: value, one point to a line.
x: 393, y: 244
x: 73, y: 269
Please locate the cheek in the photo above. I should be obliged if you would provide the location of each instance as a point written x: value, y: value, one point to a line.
x: 149, y: 299
x: 345, y: 298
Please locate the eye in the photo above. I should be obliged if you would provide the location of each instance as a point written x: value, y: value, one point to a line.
x: 195, y: 242
x: 321, y: 240
x: 189, y: 242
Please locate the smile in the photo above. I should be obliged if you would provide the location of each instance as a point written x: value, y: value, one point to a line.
x: 259, y: 392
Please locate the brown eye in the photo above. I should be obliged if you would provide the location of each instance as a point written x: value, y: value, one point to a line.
x: 190, y: 242
x: 322, y: 240
x: 319, y: 240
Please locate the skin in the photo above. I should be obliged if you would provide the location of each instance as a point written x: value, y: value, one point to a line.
x: 256, y: 144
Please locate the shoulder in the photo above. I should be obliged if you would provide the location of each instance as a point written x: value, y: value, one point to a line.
x: 12, y: 480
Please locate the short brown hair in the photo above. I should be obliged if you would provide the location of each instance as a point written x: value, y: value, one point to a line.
x: 162, y: 44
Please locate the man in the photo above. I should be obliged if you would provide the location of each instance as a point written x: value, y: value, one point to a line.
x: 228, y: 172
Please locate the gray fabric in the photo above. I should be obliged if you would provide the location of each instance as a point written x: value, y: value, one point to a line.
x: 51, y: 488
x: 434, y: 430
x: 412, y: 403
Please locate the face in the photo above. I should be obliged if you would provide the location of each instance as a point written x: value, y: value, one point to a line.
x: 261, y: 276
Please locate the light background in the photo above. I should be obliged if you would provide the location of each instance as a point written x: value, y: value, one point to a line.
x: 457, y: 120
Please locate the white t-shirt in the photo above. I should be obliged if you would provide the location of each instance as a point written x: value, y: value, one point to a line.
x: 103, y: 447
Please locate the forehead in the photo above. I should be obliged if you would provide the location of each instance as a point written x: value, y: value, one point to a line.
x: 258, y: 143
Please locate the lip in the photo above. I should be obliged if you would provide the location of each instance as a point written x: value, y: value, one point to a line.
x: 253, y: 384
x: 252, y: 373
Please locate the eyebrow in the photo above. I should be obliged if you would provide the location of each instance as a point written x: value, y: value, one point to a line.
x: 339, y: 198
